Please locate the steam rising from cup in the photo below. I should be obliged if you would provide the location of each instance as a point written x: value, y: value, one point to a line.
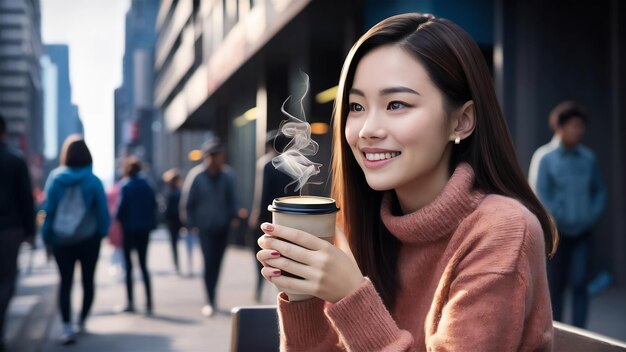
x: 293, y: 159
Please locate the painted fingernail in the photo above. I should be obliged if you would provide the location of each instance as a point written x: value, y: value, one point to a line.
x: 267, y: 227
x: 276, y: 272
x: 275, y: 254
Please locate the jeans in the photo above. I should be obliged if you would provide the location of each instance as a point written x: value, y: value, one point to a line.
x: 174, y: 230
x: 86, y: 252
x: 570, y: 266
x: 213, y: 243
x: 137, y: 240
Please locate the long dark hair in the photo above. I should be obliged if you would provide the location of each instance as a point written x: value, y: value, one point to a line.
x: 75, y: 152
x: 455, y: 64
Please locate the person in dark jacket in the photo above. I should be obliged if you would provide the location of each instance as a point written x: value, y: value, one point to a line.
x: 75, y: 170
x: 171, y: 178
x: 17, y: 219
x: 209, y: 205
x: 137, y: 215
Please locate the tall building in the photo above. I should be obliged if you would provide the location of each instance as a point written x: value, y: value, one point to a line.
x: 134, y: 111
x: 66, y: 115
x: 20, y: 78
x: 227, y: 66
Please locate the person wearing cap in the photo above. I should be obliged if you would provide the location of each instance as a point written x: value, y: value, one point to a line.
x: 208, y: 207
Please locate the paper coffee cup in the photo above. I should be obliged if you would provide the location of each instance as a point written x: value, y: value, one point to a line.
x: 311, y: 214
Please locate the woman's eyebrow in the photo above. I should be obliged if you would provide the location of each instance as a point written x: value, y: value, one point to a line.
x: 357, y: 92
x: 386, y: 91
x: 399, y: 89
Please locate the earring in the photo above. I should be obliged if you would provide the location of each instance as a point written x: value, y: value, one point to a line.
x: 457, y: 140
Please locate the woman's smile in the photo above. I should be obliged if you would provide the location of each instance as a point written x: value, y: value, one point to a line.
x: 377, y: 158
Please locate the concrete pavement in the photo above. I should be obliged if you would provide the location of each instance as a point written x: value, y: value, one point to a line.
x: 177, y: 325
x: 34, y: 303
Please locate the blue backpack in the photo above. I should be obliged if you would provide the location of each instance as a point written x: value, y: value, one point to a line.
x: 74, y: 221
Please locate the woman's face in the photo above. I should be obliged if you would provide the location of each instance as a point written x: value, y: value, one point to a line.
x: 397, y: 127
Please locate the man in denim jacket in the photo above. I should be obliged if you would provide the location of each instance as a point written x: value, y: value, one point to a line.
x: 570, y: 186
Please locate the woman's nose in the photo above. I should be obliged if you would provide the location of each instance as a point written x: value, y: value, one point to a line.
x: 373, y: 127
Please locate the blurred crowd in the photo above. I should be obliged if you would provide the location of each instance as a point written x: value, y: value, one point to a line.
x: 74, y: 213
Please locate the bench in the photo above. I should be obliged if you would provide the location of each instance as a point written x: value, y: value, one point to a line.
x: 571, y: 339
x: 254, y: 328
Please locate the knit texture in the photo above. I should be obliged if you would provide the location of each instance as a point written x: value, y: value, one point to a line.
x: 472, y: 277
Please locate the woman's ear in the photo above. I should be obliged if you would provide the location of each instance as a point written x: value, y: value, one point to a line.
x: 464, y: 121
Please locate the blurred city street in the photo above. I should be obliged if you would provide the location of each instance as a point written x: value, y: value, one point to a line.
x: 177, y: 324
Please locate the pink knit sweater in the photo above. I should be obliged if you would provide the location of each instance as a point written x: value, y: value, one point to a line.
x: 472, y: 278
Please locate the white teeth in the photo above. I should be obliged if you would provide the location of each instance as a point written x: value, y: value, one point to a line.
x: 380, y: 156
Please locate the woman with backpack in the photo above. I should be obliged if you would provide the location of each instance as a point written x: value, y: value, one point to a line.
x: 77, y: 219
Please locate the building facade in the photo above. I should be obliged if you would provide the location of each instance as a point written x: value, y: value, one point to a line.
x: 20, y: 79
x: 226, y: 67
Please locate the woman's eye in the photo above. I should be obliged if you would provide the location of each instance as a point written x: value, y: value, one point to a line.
x: 395, y: 105
x: 356, y: 107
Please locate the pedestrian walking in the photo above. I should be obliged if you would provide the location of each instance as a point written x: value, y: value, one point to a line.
x: 209, y: 205
x: 569, y: 184
x: 173, y: 183
x: 77, y: 219
x: 449, y: 242
x: 269, y: 184
x: 17, y: 220
x: 136, y: 213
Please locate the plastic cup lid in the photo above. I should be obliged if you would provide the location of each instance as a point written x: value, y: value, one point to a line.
x: 305, y: 205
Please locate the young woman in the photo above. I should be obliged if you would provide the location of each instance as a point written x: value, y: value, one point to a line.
x: 448, y: 240
x: 75, y: 172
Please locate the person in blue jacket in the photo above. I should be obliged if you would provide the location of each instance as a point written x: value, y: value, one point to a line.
x: 75, y: 170
x: 137, y: 215
x: 570, y: 185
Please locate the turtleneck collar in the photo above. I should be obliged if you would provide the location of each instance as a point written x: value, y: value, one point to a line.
x: 439, y: 218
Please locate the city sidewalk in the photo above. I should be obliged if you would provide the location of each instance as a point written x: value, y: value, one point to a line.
x: 177, y: 325
x: 34, y: 303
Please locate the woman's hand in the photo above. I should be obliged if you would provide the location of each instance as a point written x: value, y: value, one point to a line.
x: 328, y: 273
